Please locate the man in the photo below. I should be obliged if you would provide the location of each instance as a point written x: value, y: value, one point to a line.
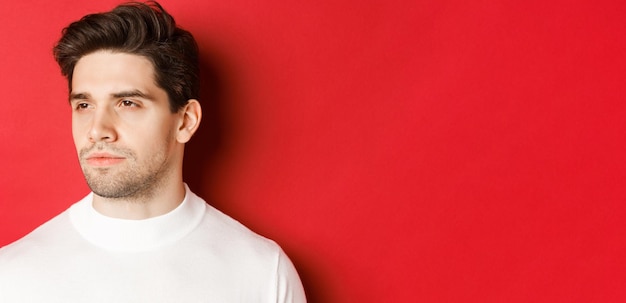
x: 141, y: 235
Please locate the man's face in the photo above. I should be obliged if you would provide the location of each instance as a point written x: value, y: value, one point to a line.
x: 123, y: 129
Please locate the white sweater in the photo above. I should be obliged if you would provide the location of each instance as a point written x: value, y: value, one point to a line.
x: 192, y: 254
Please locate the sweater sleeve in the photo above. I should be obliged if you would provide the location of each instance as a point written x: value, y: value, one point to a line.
x: 289, y: 287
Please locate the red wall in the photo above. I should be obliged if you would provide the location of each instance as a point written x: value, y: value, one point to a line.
x: 400, y: 151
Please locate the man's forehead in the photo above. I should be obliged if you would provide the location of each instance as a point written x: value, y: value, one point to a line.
x: 105, y: 62
x: 110, y: 73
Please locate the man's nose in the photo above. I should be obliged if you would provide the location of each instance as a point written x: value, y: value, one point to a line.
x: 102, y: 126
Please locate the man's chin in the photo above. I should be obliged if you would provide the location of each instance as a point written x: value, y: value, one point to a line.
x: 107, y: 188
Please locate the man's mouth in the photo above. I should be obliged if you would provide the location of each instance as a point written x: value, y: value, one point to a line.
x: 103, y: 159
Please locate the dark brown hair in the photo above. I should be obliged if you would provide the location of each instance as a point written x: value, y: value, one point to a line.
x: 143, y: 29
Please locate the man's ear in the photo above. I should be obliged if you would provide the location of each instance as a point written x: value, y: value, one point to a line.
x: 191, y: 115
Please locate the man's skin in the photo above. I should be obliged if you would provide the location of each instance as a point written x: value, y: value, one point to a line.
x: 130, y: 144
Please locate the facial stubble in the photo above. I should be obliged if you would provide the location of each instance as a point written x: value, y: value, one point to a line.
x: 128, y: 181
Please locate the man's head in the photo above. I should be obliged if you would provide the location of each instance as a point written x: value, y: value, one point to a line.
x: 141, y: 29
x: 133, y: 82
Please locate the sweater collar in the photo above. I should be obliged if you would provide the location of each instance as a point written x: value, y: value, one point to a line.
x: 136, y: 235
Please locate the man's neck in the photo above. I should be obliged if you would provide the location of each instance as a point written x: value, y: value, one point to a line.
x: 160, y: 201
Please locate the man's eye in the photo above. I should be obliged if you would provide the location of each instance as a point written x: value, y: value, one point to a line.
x: 128, y: 103
x: 80, y: 106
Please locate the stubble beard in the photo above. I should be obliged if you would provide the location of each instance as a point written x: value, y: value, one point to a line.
x: 132, y: 182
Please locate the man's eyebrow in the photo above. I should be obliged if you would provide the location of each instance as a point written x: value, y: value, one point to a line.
x: 79, y: 96
x: 135, y: 93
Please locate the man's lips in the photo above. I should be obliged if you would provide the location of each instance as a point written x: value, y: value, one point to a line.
x: 103, y: 159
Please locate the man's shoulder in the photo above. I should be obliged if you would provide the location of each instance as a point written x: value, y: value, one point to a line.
x: 227, y: 228
x: 219, y: 231
x: 39, y: 241
x: 234, y: 248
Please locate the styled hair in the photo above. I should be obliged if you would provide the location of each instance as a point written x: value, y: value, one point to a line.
x: 143, y: 29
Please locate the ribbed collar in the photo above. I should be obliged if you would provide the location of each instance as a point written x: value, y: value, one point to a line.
x: 136, y: 235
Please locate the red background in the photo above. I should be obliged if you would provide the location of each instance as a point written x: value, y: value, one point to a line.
x: 399, y: 151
